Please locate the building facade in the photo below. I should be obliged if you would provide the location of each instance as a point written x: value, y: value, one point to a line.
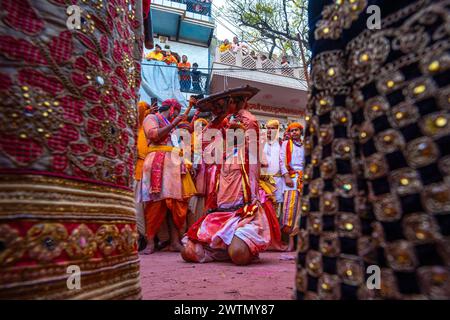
x: 185, y: 27
x: 283, y: 94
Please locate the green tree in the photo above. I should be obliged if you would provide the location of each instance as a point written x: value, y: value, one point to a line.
x: 271, y: 25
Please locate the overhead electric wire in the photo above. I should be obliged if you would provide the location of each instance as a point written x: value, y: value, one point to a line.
x: 237, y: 27
x: 219, y: 19
x: 243, y: 31
x: 247, y: 42
x: 232, y: 68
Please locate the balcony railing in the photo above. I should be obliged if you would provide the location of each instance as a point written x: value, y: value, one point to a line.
x: 194, y: 6
x: 200, y: 7
x: 194, y: 82
x: 247, y: 61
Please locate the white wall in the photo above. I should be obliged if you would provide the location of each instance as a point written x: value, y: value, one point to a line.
x: 194, y: 53
x: 284, y: 119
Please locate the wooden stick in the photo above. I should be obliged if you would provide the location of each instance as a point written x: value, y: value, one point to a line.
x: 191, y: 105
x: 186, y: 112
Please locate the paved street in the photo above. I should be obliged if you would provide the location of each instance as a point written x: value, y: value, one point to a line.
x: 164, y: 275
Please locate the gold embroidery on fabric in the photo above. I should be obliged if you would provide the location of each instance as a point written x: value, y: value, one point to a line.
x: 46, y: 241
x: 435, y: 281
x: 329, y: 287
x: 81, y: 243
x: 53, y: 181
x: 351, y: 271
x: 107, y: 238
x: 129, y: 239
x: 12, y: 245
x: 338, y: 16
x: 98, y: 280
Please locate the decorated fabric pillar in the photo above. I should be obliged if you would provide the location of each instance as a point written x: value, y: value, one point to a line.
x: 375, y: 208
x: 67, y: 148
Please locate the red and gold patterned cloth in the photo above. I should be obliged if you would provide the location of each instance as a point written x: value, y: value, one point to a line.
x: 67, y: 147
x: 238, y: 207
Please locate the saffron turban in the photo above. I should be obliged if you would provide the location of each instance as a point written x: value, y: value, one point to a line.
x: 201, y: 120
x: 273, y: 122
x: 295, y: 125
x: 143, y: 111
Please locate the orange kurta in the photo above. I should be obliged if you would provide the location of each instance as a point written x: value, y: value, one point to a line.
x: 170, y: 59
x: 174, y: 181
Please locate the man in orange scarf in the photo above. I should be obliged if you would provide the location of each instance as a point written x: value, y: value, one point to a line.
x: 169, y: 58
x: 292, y: 163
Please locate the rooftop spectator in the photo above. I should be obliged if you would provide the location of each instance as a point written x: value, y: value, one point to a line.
x: 185, y: 77
x: 196, y: 75
x: 170, y: 58
x: 177, y: 56
x: 237, y: 45
x: 286, y: 67
x: 156, y: 54
x: 225, y: 46
x: 284, y: 61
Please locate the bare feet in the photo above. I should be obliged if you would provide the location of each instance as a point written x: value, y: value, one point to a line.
x: 163, y: 246
x: 150, y: 248
x: 175, y: 243
x: 295, y: 232
x: 175, y: 247
x: 278, y: 247
x: 291, y: 246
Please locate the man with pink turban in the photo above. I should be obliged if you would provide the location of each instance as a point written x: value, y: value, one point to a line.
x: 162, y: 187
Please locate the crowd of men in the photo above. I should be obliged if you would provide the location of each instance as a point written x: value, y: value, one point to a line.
x: 244, y: 201
x: 238, y: 46
x: 190, y: 75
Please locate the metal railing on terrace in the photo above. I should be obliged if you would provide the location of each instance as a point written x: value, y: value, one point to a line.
x: 245, y: 60
x: 202, y: 7
x: 195, y: 82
